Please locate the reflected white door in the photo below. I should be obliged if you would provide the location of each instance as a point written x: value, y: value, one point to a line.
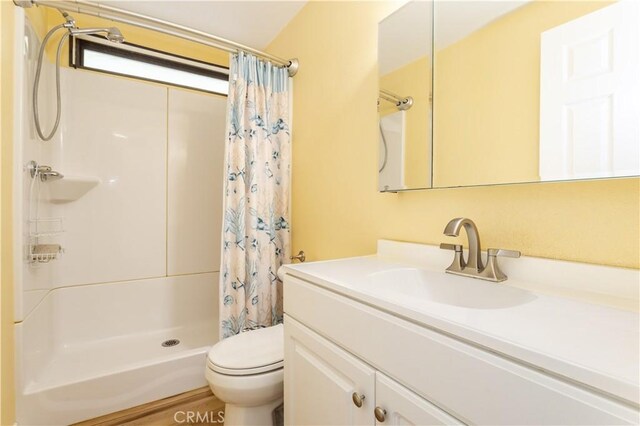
x: 589, y: 95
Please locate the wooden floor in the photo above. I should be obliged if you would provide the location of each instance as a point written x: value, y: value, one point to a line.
x: 169, y: 411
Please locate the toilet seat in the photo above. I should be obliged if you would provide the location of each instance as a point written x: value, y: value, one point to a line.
x: 244, y: 371
x: 252, y: 352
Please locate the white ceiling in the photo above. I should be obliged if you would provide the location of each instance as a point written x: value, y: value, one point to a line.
x: 253, y: 23
x: 405, y: 36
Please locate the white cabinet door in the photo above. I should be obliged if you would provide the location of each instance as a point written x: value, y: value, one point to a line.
x: 320, y: 379
x: 403, y: 407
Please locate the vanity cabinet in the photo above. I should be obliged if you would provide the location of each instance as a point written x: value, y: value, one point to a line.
x: 336, y: 345
x: 326, y: 385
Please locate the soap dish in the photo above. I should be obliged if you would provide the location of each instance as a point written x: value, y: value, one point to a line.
x: 71, y: 188
x: 45, y: 253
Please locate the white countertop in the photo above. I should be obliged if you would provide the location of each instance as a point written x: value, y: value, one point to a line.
x: 595, y: 345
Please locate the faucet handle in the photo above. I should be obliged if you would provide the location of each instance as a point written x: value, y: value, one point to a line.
x: 502, y: 252
x: 454, y: 247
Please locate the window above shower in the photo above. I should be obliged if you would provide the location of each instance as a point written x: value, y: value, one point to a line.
x: 129, y: 60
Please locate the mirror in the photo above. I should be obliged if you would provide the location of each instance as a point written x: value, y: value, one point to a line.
x: 405, y: 45
x: 527, y: 91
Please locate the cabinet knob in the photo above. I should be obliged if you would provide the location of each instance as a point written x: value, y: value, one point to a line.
x: 380, y: 413
x: 358, y: 399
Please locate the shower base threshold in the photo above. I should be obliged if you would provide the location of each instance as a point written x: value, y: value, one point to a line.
x: 101, y: 377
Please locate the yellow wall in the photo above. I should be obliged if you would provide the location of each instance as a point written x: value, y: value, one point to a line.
x: 487, y: 102
x: 413, y: 79
x: 336, y: 209
x: 38, y: 18
x: 7, y: 397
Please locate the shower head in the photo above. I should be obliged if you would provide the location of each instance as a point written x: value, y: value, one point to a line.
x: 70, y: 22
x: 112, y: 34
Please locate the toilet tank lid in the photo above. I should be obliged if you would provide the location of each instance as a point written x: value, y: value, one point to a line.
x: 250, y: 349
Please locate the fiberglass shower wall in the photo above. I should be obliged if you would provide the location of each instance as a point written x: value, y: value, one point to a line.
x: 141, y: 197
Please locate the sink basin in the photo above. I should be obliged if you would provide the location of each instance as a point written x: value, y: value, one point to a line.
x: 414, y: 286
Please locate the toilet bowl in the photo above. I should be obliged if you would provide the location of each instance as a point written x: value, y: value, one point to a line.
x: 246, y: 373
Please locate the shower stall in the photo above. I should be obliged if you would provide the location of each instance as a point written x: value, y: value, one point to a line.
x: 118, y: 221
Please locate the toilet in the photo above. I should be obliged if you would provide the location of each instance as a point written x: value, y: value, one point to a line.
x: 246, y: 373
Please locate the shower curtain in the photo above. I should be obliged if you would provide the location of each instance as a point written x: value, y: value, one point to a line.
x: 256, y: 235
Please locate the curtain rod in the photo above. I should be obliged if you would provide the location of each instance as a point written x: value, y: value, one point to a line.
x: 159, y: 25
x: 402, y: 102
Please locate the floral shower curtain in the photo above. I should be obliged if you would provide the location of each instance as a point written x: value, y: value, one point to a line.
x: 256, y: 235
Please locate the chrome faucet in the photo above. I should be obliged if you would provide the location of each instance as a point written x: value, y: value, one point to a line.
x: 473, y: 267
